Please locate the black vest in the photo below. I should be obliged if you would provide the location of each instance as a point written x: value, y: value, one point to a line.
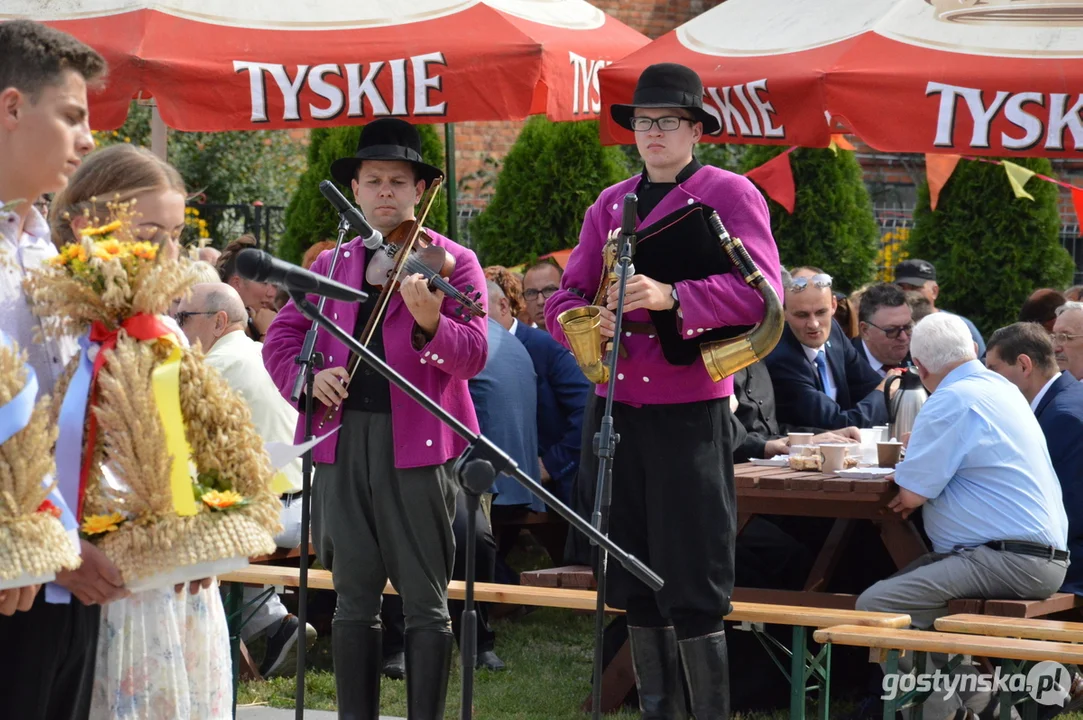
x: 682, y: 246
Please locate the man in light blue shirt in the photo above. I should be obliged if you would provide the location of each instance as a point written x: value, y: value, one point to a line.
x: 977, y: 464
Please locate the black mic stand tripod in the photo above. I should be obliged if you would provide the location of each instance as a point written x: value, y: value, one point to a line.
x: 309, y: 360
x: 476, y: 468
x: 605, y: 448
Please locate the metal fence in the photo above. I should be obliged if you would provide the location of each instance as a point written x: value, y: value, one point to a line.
x: 225, y: 223
x: 897, y: 221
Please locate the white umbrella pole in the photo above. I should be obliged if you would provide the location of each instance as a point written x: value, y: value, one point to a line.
x: 157, y: 133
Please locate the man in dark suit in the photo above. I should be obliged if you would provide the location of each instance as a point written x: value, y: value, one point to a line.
x: 562, y: 396
x: 885, y: 324
x: 818, y: 377
x: 1024, y: 354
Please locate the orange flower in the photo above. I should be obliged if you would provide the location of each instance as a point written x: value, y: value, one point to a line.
x: 48, y: 507
x: 221, y: 500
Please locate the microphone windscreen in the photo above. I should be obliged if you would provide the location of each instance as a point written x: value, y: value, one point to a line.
x: 253, y: 264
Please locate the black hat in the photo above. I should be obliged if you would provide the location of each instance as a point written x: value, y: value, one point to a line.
x: 667, y: 85
x: 914, y: 272
x: 385, y: 139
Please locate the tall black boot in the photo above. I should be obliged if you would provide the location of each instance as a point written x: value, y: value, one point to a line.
x: 706, y: 666
x: 657, y: 668
x: 428, y: 662
x: 358, y: 658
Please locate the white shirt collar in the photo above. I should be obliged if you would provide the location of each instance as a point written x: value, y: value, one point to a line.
x: 811, y: 353
x: 1041, y: 393
x: 876, y: 364
x: 514, y: 324
x: 35, y: 229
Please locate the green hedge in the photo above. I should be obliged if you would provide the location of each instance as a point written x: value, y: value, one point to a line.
x: 310, y: 218
x: 832, y: 225
x: 551, y: 175
x: 990, y: 248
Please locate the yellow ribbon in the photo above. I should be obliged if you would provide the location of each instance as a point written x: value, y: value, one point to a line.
x: 280, y: 485
x: 165, y: 381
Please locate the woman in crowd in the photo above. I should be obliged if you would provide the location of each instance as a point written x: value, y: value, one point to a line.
x: 165, y: 652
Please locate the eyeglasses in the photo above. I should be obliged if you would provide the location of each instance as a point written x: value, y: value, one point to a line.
x: 665, y: 124
x: 894, y: 331
x: 1063, y: 338
x: 545, y: 292
x: 820, y: 280
x: 182, y: 317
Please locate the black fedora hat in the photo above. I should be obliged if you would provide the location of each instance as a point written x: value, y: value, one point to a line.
x: 386, y: 139
x: 667, y: 85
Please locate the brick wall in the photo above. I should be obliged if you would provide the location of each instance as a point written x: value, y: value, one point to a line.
x: 653, y: 18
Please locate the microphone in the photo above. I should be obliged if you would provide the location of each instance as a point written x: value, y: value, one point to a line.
x: 370, y: 236
x: 263, y: 267
x: 628, y: 229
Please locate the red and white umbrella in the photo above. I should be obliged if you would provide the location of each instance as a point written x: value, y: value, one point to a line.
x: 214, y: 65
x: 980, y: 77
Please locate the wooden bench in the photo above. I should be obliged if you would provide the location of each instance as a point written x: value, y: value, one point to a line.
x: 1012, y: 627
x: 1058, y: 602
x: 890, y: 642
x: 804, y: 667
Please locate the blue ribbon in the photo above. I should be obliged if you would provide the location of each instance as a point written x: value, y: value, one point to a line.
x: 14, y: 416
x: 72, y: 421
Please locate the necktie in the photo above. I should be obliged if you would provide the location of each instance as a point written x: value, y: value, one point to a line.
x: 821, y: 365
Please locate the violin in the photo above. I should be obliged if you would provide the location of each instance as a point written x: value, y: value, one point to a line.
x: 429, y: 260
x: 408, y: 251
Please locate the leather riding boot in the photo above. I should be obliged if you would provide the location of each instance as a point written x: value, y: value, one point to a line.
x: 428, y: 662
x: 657, y: 669
x: 358, y: 657
x: 706, y: 666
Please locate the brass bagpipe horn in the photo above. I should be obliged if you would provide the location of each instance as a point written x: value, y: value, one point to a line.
x: 583, y: 325
x: 725, y: 357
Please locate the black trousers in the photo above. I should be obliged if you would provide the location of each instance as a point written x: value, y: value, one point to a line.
x: 47, y: 661
x: 391, y: 616
x: 673, y: 505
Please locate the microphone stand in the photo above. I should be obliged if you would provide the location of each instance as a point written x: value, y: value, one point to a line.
x: 605, y: 448
x: 309, y: 360
x: 476, y: 468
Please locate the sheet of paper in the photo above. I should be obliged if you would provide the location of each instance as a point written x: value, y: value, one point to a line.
x: 283, y: 454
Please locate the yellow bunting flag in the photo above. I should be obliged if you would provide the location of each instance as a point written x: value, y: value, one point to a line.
x: 1018, y: 176
x: 166, y: 383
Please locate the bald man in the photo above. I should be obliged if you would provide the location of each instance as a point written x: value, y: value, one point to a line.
x: 214, y: 316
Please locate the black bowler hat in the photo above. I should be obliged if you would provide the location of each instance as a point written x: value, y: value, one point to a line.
x: 386, y: 139
x: 667, y: 85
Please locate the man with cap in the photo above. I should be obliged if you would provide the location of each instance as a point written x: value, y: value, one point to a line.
x: 920, y: 275
x: 384, y: 491
x: 673, y: 499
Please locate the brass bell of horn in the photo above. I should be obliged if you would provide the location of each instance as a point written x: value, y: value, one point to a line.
x: 583, y: 326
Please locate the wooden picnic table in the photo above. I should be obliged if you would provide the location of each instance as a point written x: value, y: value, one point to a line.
x: 765, y: 490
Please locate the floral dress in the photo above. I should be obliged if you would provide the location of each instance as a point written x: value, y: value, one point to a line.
x: 163, y: 655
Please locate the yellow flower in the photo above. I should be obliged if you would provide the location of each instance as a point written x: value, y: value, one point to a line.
x: 221, y: 500
x: 107, y: 249
x: 98, y: 524
x: 103, y: 230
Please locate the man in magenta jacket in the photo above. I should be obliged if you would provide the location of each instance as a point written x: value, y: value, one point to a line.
x: 384, y: 492
x: 673, y: 499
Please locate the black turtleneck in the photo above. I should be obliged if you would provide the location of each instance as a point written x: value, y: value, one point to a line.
x: 651, y: 193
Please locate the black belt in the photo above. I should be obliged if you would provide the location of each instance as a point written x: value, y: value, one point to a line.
x: 1028, y: 548
x: 291, y: 496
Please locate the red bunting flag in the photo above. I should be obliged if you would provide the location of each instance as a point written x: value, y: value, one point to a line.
x: 938, y: 168
x: 1077, y: 202
x: 775, y: 177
